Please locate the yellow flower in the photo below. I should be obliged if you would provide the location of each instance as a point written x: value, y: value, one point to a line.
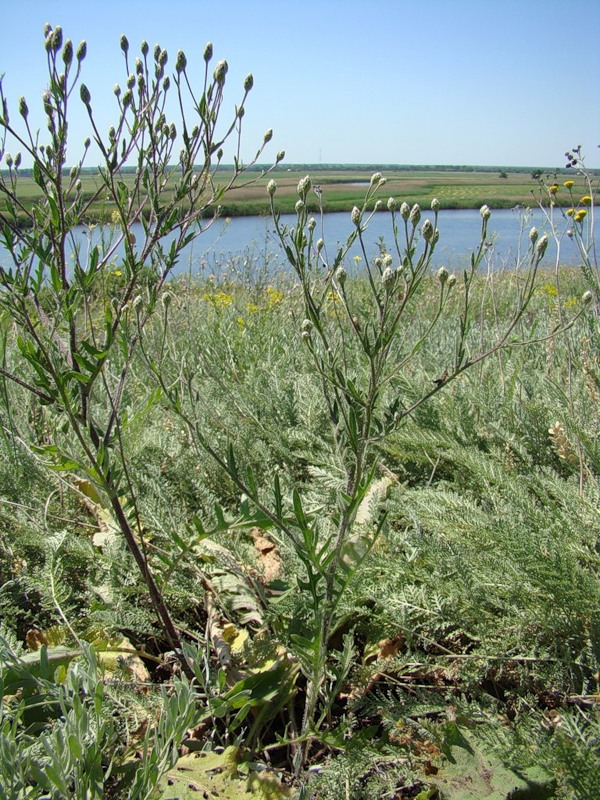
x: 274, y: 297
x: 554, y: 188
x: 580, y: 215
x: 569, y: 212
x: 550, y: 289
x: 357, y: 260
x: 586, y: 200
x: 252, y: 308
x: 569, y: 184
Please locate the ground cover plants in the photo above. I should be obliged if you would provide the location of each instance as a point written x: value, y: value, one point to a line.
x: 308, y: 534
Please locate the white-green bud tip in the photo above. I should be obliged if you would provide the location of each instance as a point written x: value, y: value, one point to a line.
x: 312, y: 224
x: 387, y: 279
x: 271, y: 187
x: 587, y: 297
x: 220, y: 72
x: 541, y: 245
x: 355, y: 216
x: 392, y: 204
x: 415, y: 214
x: 303, y: 188
x: 341, y: 275
x: 442, y: 275
x: 435, y: 205
x: 300, y: 207
x: 533, y: 235
x: 405, y: 211
x: 427, y: 230
x: 485, y: 212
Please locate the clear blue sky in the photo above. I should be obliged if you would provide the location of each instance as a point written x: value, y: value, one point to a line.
x: 493, y: 82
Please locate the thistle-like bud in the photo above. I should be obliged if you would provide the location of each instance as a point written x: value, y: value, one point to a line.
x: 180, y: 61
x: 387, y: 279
x: 307, y: 326
x: 144, y: 48
x: 451, y: 281
x: 268, y: 136
x: 166, y: 83
x: 485, y: 212
x: 208, y: 52
x: 67, y: 53
x: 303, y: 188
x: 587, y: 297
x: 220, y: 72
x: 56, y: 39
x: 47, y: 29
x: 87, y: 142
x: 9, y: 160
x: 163, y: 58
x: 116, y: 90
x: 271, y: 187
x: 280, y: 156
x: 355, y: 216
x: 156, y: 52
x: 340, y: 276
x: 442, y: 275
x: 405, y: 211
x: 219, y: 153
x: 299, y: 207
x: 541, y: 245
x: 248, y: 82
x: 127, y: 98
x: 435, y: 205
x: 392, y: 204
x: 378, y: 205
x: 427, y: 230
x: 23, y: 110
x: 139, y: 66
x: 112, y: 134
x: 375, y: 178
x: 85, y: 95
x: 436, y: 237
x: 81, y: 51
x: 415, y: 215
x: 130, y: 81
x: 320, y: 245
x: 124, y: 43
x: 78, y: 185
x: 172, y: 131
x: 387, y: 260
x: 533, y: 235
x: 312, y: 224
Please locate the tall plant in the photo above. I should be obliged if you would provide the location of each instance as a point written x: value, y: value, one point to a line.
x: 76, y: 333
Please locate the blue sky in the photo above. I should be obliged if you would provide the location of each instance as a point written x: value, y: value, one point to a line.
x: 494, y: 82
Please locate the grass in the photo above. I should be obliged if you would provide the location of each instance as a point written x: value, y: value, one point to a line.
x: 473, y: 626
x: 344, y: 187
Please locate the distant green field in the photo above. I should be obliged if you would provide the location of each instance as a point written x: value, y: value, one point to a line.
x: 343, y: 188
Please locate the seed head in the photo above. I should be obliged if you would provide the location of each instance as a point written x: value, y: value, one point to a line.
x: 271, y: 187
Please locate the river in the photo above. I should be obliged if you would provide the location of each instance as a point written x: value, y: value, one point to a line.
x: 251, y: 240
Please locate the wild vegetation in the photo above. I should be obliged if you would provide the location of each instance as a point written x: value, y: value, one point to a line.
x: 288, y: 535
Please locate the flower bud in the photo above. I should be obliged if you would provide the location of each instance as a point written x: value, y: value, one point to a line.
x: 299, y: 207
x: 81, y: 51
x: 387, y: 260
x: 392, y: 204
x: 9, y: 160
x: 303, y: 188
x: 23, y: 110
x: 116, y: 90
x: 127, y: 98
x: 280, y: 156
x: 208, y: 52
x: 312, y: 224
x: 307, y: 326
x: 271, y: 187
x: 415, y: 215
x: 387, y: 279
x: 56, y: 39
x: 166, y: 83
x: 163, y: 58
x: 340, y: 276
x: 442, y: 275
x: 248, y: 82
x: 320, y: 245
x: 144, y: 48
x: 405, y: 211
x: 130, y: 81
x: 435, y: 205
x: 378, y: 205
x: 375, y: 178
x: 268, y: 136
x: 533, y: 235
x: 451, y: 281
x: 84, y: 93
x: 67, y: 53
x: 87, y: 142
x: 220, y: 72
x: 427, y: 230
x: 180, y: 61
x: 157, y: 52
x: 355, y: 216
x: 587, y: 297
x: 485, y: 212
x: 541, y: 245
x: 124, y: 43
